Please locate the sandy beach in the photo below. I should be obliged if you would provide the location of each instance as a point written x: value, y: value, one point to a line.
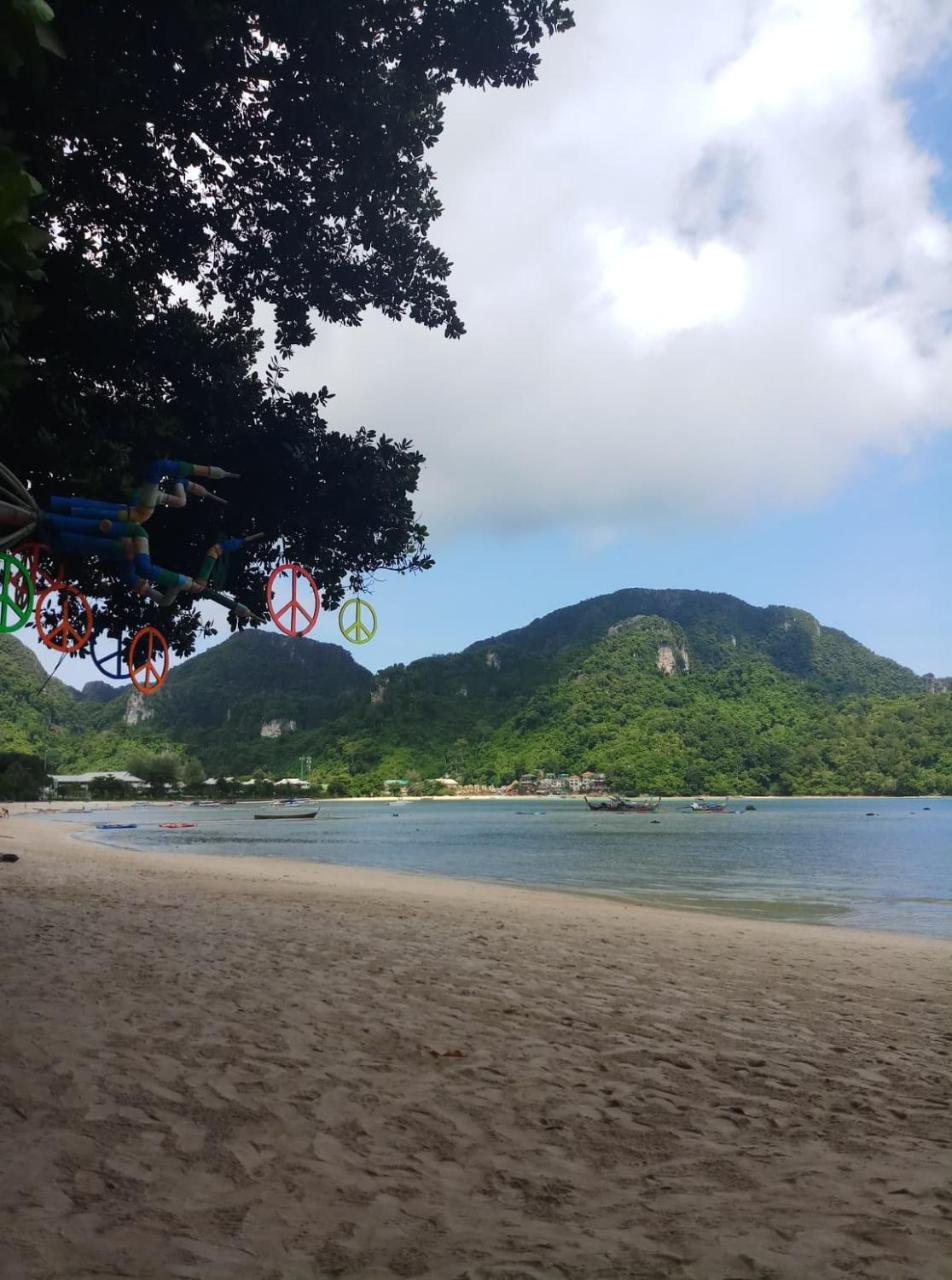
x: 266, y: 1070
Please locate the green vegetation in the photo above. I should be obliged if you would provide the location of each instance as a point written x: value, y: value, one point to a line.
x: 26, y: 36
x: 47, y: 721
x: 21, y: 776
x: 245, y: 153
x: 693, y: 692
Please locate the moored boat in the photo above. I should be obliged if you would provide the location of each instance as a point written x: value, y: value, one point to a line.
x: 286, y: 817
x: 618, y: 804
x: 710, y: 806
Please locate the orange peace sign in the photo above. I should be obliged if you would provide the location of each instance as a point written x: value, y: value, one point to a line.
x: 285, y: 616
x: 149, y: 647
x: 74, y: 618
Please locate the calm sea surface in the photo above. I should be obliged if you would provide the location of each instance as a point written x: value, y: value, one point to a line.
x: 820, y: 861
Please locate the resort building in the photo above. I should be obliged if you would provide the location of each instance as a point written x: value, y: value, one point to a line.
x: 79, y: 782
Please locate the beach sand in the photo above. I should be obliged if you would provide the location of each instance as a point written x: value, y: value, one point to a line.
x: 268, y: 1070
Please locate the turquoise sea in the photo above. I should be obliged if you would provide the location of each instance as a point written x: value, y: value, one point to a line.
x: 876, y: 864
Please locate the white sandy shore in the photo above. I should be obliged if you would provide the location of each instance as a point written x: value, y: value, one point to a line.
x: 267, y: 1070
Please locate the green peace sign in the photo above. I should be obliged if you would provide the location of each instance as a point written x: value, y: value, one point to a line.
x: 356, y: 629
x: 12, y: 594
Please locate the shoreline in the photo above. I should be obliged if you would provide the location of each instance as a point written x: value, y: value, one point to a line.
x: 256, y: 1069
x: 39, y: 807
x: 780, y: 913
x: 381, y: 877
x: 271, y: 868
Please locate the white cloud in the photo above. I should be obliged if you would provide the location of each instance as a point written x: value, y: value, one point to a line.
x: 804, y: 55
x: 659, y: 287
x: 700, y: 267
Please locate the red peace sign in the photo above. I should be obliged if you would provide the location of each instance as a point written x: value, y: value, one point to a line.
x: 149, y: 647
x: 32, y: 555
x: 74, y: 623
x: 294, y: 606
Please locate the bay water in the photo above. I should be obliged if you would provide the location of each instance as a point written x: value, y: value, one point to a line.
x: 866, y: 863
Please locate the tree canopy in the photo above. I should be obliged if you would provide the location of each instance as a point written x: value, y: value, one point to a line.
x: 25, y: 32
x: 268, y: 152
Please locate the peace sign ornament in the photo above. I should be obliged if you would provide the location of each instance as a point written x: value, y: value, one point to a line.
x: 72, y: 626
x: 357, y: 620
x: 148, y: 660
x: 110, y: 656
x: 16, y: 594
x: 298, y: 615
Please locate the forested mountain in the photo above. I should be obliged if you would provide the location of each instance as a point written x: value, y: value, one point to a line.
x: 721, y: 629
x: 231, y: 705
x: 668, y: 691
x: 45, y: 721
x: 671, y: 691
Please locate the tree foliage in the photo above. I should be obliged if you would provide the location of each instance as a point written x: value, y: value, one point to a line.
x: 160, y: 771
x: 269, y: 152
x: 21, y: 776
x: 26, y: 34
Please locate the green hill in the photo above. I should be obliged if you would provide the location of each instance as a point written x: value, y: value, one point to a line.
x: 720, y: 629
x: 44, y: 720
x: 669, y: 691
x: 232, y: 705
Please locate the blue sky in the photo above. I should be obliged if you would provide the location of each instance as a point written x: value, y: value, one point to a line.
x: 706, y: 268
x: 872, y: 560
x: 870, y: 555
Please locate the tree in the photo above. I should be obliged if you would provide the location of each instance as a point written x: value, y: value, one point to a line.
x: 25, y: 32
x: 193, y: 775
x: 623, y: 781
x: 270, y: 152
x: 159, y: 771
x: 104, y: 788
x: 263, y: 788
x: 21, y: 776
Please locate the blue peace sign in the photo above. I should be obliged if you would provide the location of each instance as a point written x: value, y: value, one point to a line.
x: 111, y: 659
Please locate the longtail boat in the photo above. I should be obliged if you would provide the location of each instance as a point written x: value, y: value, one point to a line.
x: 710, y: 806
x: 618, y: 804
x: 286, y: 817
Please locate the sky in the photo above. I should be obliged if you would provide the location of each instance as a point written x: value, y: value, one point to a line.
x: 705, y: 265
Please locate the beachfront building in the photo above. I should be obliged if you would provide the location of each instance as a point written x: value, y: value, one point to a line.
x: 78, y: 783
x: 558, y: 784
x: 593, y: 782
